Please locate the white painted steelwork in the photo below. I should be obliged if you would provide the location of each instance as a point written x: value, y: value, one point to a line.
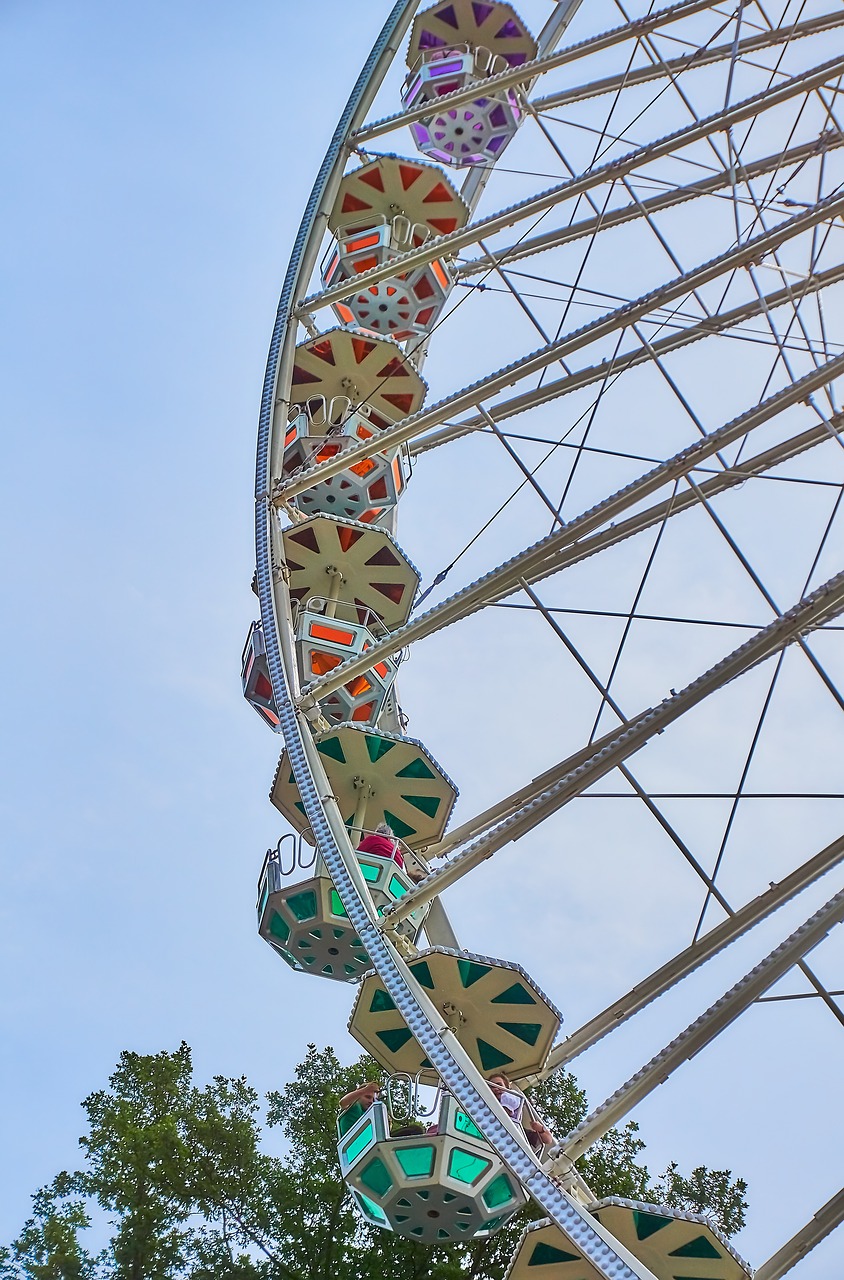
x: 677, y: 300
x: 541, y: 559
x: 825, y: 1220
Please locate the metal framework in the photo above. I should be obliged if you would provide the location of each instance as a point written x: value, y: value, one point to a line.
x: 825, y: 1220
x: 613, y: 170
x: 755, y: 249
x: 543, y: 558
x: 754, y: 123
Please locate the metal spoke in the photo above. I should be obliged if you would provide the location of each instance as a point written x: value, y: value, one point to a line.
x: 456, y: 240
x: 702, y: 57
x: 760, y: 722
x: 764, y: 243
x: 825, y: 1220
x: 685, y: 962
x: 629, y: 738
x: 626, y: 360
x: 709, y: 1025
x: 530, y: 564
x: 530, y: 245
x: 795, y: 995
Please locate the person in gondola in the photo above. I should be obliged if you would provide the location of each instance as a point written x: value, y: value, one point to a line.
x: 365, y: 1095
x: 520, y: 1111
x: 369, y: 1093
x: 382, y: 843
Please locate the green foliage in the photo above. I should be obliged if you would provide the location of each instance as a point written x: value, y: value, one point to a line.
x: 561, y: 1102
x: 235, y: 1188
x: 611, y: 1167
x: 708, y: 1191
x: 180, y: 1176
x: 136, y: 1161
x: 48, y: 1247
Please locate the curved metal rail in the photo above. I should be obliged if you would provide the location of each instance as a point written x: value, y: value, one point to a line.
x: 444, y: 1051
x: 458, y: 1073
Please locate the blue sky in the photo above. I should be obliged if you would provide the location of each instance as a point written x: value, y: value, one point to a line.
x: 151, y: 195
x: 157, y: 159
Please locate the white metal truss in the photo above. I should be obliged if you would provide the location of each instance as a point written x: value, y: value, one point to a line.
x: 697, y: 58
x: 676, y: 315
x: 614, y: 169
x: 674, y: 970
x: 822, y: 606
x: 544, y: 557
x: 704, y: 1030
x: 527, y: 246
x: 827, y: 1218
x: 622, y: 317
x: 599, y: 373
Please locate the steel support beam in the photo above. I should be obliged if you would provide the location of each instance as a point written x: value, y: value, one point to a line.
x: 685, y: 962
x: 720, y: 483
x: 526, y: 247
x: 702, y: 57
x: 449, y: 245
x: 703, y: 1031
x: 586, y: 547
x: 527, y: 564
x: 825, y: 1220
x: 620, y: 318
x: 627, y: 360
x: 629, y: 737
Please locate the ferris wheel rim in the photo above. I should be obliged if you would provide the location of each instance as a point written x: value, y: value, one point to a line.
x: 285, y: 670
x: 511, y: 1148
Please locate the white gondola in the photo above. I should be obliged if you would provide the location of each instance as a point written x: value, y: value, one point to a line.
x: 442, y: 1183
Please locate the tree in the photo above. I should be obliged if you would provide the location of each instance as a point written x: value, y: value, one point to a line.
x: 136, y: 1158
x: 705, y: 1187
x: 181, y: 1175
x: 48, y: 1247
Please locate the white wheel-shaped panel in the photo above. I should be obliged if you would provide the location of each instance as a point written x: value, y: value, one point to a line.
x: 625, y: 508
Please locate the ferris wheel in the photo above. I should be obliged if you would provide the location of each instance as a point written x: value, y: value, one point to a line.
x: 578, y: 288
